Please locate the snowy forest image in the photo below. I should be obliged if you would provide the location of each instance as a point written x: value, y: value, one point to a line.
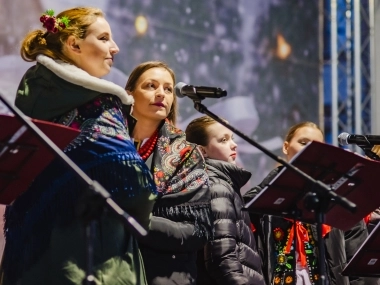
x: 264, y: 53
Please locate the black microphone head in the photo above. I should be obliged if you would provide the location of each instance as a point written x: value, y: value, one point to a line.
x: 343, y: 138
x: 178, y: 89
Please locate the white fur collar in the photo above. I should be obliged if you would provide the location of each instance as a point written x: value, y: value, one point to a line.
x: 78, y: 76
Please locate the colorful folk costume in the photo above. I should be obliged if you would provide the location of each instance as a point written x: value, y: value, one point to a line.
x: 45, y: 241
x: 284, y: 237
x: 182, y: 220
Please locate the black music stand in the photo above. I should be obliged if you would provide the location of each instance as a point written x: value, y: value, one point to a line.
x: 89, y: 209
x: 349, y: 175
x: 292, y: 196
x: 23, y: 156
x: 366, y: 261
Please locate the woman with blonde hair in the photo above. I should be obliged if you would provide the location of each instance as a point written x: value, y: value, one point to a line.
x: 45, y: 241
x: 287, y: 264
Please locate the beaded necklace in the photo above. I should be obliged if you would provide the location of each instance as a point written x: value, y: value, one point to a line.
x: 146, y: 150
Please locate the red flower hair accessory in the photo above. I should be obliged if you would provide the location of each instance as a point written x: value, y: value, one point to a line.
x: 53, y: 24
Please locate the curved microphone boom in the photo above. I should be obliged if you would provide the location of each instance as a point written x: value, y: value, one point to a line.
x: 360, y: 140
x: 198, y: 92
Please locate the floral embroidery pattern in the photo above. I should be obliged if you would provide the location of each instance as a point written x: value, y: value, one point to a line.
x: 278, y: 234
x: 174, y: 163
x: 179, y: 173
x: 109, y: 120
x: 285, y: 263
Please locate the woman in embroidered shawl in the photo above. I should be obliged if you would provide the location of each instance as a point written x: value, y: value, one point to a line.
x: 45, y: 241
x: 181, y: 216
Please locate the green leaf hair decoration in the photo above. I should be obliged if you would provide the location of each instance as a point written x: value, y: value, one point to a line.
x: 50, y: 12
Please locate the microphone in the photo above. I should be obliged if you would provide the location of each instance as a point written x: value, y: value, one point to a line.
x: 198, y: 92
x: 360, y: 140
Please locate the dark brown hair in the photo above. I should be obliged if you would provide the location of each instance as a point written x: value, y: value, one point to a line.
x: 196, y: 131
x: 51, y: 44
x: 140, y: 69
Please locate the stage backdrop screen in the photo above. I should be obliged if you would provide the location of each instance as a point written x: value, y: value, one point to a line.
x: 264, y: 53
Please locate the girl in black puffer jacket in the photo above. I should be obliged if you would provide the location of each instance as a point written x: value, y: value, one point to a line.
x: 231, y: 257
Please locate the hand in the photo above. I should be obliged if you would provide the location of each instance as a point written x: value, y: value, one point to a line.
x: 375, y: 216
x: 376, y: 149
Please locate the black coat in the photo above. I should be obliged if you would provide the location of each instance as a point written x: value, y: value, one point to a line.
x: 231, y: 257
x: 340, y: 246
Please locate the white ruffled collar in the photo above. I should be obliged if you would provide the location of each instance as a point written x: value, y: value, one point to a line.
x: 77, y: 76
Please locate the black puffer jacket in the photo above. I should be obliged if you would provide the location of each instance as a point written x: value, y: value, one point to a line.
x: 231, y: 258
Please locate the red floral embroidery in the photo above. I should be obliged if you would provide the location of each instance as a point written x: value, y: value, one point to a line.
x: 184, y: 151
x: 278, y: 234
x: 160, y: 174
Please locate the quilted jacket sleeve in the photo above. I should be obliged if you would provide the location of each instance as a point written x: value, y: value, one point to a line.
x: 220, y: 254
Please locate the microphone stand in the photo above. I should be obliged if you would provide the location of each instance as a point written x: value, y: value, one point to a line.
x: 315, y: 200
x: 92, y: 206
x: 368, y: 152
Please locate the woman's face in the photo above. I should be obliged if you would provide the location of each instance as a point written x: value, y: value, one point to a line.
x: 96, y: 51
x: 300, y: 139
x: 221, y: 145
x: 153, y: 95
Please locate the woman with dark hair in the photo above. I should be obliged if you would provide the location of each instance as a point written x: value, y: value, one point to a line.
x: 45, y: 241
x: 181, y: 222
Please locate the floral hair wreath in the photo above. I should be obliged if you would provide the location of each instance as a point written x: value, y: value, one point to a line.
x: 53, y: 24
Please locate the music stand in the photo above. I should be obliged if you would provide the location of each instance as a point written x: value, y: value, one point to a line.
x: 366, y: 261
x: 23, y: 156
x: 348, y: 175
x: 319, y: 193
